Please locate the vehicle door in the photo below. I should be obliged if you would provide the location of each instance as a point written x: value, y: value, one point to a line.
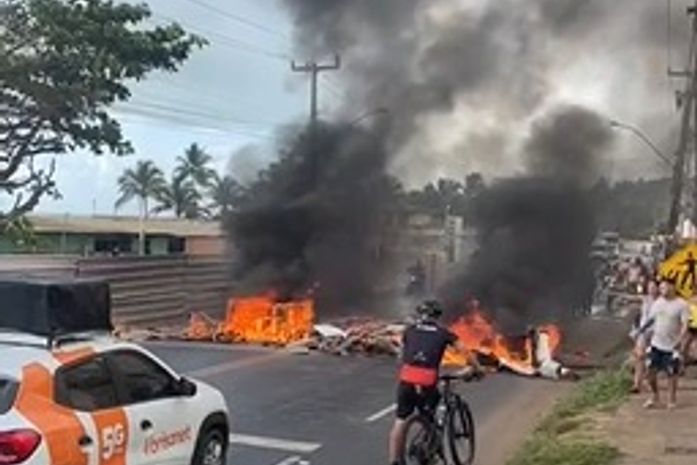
x: 88, y: 388
x: 166, y: 421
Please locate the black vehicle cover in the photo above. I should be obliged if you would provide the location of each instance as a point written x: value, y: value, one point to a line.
x: 53, y: 307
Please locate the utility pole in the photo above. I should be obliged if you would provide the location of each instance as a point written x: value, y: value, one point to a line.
x: 315, y: 69
x: 682, y: 170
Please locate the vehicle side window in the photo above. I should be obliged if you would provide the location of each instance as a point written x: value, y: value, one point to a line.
x: 87, y: 386
x: 8, y: 392
x: 141, y: 378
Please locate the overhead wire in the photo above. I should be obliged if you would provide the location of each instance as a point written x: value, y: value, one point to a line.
x: 192, y: 115
x: 224, y: 39
x: 197, y: 113
x: 239, y: 19
x: 191, y: 124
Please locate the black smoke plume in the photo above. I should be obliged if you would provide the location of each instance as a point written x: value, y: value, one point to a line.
x: 535, y: 232
x: 313, y: 216
x: 310, y: 221
x: 499, y: 61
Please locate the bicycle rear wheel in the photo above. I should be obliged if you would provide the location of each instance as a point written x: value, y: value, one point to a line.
x: 461, y: 435
x: 417, y: 441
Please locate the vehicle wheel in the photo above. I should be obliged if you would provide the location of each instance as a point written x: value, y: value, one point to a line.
x: 417, y: 442
x: 461, y: 437
x: 211, y: 448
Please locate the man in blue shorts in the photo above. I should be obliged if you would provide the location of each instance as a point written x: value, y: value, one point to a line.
x: 668, y: 320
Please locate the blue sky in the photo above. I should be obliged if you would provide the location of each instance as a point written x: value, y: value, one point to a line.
x: 231, y: 94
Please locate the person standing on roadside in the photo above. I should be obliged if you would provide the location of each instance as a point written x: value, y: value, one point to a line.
x: 642, y: 341
x: 691, y: 336
x: 668, y: 320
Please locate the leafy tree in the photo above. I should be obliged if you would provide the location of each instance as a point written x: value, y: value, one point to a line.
x: 181, y: 197
x: 474, y: 185
x: 63, y: 63
x: 195, y: 165
x: 144, y: 182
x: 444, y: 195
x: 226, y: 196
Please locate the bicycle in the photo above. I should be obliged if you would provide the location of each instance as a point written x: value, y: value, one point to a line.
x: 427, y: 431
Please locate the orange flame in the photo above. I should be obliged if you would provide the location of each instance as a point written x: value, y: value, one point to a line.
x: 479, y: 335
x: 263, y: 320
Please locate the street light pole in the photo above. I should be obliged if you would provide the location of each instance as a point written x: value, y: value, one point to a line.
x: 644, y: 138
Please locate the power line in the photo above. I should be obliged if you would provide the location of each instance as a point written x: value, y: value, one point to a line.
x: 201, y: 92
x: 186, y: 116
x: 239, y: 19
x: 223, y: 39
x: 190, y: 124
x: 198, y: 113
x: 327, y: 84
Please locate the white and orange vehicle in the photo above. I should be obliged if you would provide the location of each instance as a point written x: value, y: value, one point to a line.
x: 70, y: 397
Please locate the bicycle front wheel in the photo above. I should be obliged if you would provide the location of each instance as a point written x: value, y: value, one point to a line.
x: 461, y: 437
x: 417, y: 441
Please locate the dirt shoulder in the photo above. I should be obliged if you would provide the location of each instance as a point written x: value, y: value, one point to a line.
x: 570, y: 435
x: 654, y: 437
x: 504, y: 432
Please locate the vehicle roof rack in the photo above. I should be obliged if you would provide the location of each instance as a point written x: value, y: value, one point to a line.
x: 57, y: 310
x: 57, y: 340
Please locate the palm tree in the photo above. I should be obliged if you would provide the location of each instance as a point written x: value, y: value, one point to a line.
x: 226, y: 195
x: 181, y: 197
x: 194, y: 165
x: 143, y: 182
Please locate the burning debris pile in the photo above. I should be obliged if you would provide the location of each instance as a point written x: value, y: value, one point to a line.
x: 264, y: 320
x: 531, y: 354
x: 256, y: 320
x: 357, y: 336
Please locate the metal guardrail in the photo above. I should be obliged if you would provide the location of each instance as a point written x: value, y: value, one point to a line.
x: 145, y: 290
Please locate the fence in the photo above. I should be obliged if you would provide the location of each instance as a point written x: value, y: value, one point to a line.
x: 145, y: 290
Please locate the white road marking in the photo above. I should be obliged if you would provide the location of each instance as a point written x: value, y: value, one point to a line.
x: 294, y: 460
x: 381, y: 414
x: 299, y: 447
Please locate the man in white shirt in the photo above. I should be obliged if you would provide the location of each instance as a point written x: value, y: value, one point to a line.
x: 668, y: 319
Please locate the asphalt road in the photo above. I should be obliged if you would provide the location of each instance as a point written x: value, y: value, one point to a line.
x: 290, y: 409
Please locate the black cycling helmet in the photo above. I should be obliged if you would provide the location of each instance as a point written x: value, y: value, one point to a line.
x: 430, y: 309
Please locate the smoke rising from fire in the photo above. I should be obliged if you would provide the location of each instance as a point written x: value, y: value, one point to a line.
x: 468, y: 85
x: 311, y: 221
x: 535, y: 232
x: 453, y: 71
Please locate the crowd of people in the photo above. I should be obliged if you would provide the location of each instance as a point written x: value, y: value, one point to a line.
x: 663, y: 333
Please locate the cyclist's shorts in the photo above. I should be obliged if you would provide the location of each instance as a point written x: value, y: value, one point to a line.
x: 410, y: 398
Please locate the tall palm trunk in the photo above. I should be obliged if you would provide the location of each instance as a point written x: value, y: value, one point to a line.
x: 141, y: 229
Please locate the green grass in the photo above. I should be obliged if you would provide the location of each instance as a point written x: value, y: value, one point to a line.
x: 541, y: 451
x: 553, y: 442
x: 603, y: 391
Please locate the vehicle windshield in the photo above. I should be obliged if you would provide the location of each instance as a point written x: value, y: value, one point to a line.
x: 8, y: 392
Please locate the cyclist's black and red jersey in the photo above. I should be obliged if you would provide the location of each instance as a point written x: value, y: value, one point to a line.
x: 423, y: 347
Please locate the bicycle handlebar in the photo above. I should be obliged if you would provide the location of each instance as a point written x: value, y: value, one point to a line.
x: 467, y: 376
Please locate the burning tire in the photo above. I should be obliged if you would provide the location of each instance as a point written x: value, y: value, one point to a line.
x: 460, y: 434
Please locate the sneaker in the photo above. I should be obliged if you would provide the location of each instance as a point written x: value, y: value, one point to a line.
x: 651, y: 403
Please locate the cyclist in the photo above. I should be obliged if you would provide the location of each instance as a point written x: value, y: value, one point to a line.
x: 424, y: 344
